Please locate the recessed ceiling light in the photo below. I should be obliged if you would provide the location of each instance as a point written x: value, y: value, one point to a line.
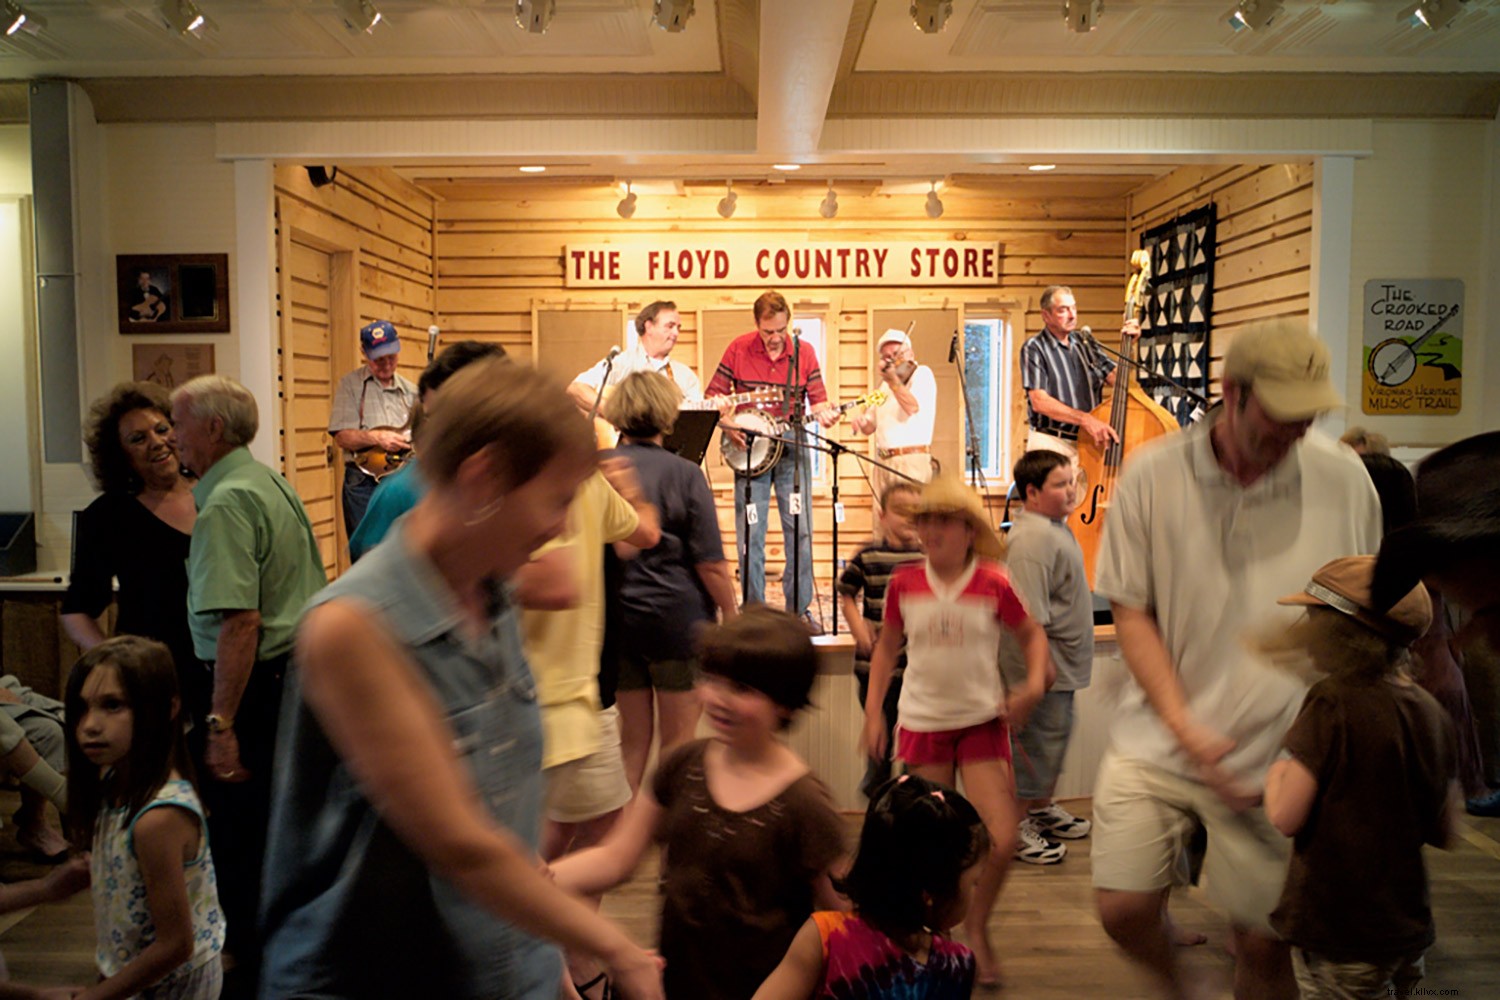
x: 1042, y: 167
x: 532, y: 169
x: 786, y: 166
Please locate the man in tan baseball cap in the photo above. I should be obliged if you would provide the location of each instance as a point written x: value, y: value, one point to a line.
x: 1275, y: 382
x: 1205, y: 531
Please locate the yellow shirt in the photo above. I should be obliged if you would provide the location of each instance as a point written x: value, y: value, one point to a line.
x: 563, y: 646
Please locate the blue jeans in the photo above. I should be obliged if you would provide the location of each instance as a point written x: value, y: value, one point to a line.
x: 358, y: 488
x: 780, y: 475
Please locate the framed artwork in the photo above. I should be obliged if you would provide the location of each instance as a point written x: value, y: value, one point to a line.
x: 173, y: 293
x: 170, y: 365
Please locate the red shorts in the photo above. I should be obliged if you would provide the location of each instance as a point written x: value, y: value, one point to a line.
x: 986, y: 741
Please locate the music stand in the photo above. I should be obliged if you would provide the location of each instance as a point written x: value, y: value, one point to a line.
x: 690, y: 436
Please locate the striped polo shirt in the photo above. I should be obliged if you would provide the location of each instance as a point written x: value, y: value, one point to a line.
x: 1072, y: 373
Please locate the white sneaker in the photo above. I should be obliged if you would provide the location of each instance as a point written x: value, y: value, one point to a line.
x: 1055, y: 821
x: 1033, y: 848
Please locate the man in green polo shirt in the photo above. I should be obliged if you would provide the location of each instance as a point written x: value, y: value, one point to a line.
x: 252, y: 565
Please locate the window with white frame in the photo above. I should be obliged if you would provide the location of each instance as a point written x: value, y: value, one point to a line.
x: 990, y: 381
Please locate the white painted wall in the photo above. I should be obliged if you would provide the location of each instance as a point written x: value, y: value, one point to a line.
x: 140, y: 189
x: 15, y: 159
x: 1424, y: 208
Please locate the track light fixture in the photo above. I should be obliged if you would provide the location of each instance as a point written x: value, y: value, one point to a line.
x: 931, y: 16
x: 626, y: 208
x: 728, y: 202
x: 1254, y: 14
x: 671, y: 15
x: 18, y: 18
x: 535, y: 15
x: 1082, y: 16
x: 359, y: 15
x: 183, y: 17
x: 934, y: 203
x: 830, y: 206
x: 1433, y: 14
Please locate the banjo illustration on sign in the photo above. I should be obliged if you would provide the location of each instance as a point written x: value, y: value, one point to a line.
x: 1394, y: 361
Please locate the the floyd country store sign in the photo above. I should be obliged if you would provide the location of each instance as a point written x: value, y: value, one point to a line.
x: 748, y: 263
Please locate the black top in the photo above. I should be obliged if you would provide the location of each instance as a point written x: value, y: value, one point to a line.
x: 661, y: 596
x: 117, y: 537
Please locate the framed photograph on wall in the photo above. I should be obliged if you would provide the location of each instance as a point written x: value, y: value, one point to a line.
x: 170, y: 365
x: 173, y: 293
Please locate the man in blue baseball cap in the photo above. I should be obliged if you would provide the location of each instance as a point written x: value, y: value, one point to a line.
x: 370, y: 418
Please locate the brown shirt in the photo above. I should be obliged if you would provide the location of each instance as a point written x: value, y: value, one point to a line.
x: 738, y: 884
x: 1383, y: 754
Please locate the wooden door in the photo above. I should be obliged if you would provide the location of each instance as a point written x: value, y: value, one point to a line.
x: 930, y: 338
x: 317, y: 298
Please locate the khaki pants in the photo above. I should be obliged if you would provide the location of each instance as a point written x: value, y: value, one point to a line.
x: 917, y: 465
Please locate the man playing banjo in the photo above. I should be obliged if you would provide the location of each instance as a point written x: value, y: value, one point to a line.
x: 759, y: 359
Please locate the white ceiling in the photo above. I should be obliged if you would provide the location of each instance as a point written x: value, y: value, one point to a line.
x: 107, y: 38
x: 782, y: 68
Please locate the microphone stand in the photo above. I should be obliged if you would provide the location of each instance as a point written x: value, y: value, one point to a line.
x: 609, y: 365
x: 795, y: 399
x: 836, y: 450
x: 956, y: 358
x: 750, y: 437
x: 1088, y: 336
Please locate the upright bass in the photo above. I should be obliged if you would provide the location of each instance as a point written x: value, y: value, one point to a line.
x: 1135, y: 418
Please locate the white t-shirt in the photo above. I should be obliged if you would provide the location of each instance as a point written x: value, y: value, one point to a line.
x: 952, y: 678
x: 1210, y: 558
x: 894, y: 427
x: 635, y: 359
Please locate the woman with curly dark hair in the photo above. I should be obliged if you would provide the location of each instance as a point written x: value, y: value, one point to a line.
x: 136, y: 532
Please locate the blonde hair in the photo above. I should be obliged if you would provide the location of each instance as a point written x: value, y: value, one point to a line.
x: 1362, y: 652
x: 644, y: 405
x: 523, y: 415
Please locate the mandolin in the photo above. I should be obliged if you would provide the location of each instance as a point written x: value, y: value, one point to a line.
x: 378, y: 462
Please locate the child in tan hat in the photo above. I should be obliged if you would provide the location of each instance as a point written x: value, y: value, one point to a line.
x: 954, y: 712
x: 1366, y: 778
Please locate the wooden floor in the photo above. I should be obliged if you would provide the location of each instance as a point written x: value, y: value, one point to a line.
x: 1045, y: 927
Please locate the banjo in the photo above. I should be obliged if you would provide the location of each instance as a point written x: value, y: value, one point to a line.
x: 766, y: 447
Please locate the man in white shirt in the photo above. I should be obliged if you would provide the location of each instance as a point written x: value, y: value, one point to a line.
x: 902, y: 425
x: 656, y: 329
x: 1206, y: 530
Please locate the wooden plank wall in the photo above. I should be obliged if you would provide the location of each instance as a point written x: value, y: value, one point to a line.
x: 1264, y: 262
x: 499, y: 256
x: 394, y: 221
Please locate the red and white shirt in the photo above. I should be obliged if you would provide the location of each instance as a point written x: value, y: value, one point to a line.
x: 952, y: 643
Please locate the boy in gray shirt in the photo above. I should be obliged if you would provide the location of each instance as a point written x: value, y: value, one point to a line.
x: 1046, y: 569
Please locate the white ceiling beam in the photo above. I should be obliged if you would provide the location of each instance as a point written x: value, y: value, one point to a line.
x: 801, y: 43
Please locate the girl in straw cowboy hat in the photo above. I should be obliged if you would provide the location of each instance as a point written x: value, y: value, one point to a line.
x: 954, y: 712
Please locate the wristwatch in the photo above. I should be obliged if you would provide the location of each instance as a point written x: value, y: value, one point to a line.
x: 219, y: 723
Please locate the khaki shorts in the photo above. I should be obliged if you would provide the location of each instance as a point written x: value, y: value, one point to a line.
x: 1142, y: 816
x: 592, y: 786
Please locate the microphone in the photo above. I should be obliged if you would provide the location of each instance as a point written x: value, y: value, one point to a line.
x: 1087, y: 336
x: 953, y: 349
x: 432, y: 337
x: 614, y: 352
